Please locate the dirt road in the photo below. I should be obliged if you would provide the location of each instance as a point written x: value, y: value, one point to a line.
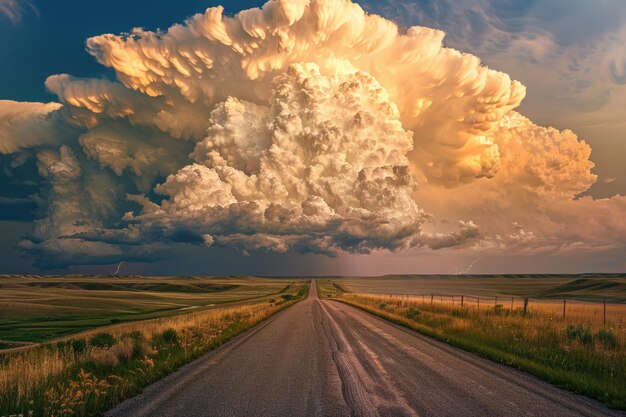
x: 324, y: 358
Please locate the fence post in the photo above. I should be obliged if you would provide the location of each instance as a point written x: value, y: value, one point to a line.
x: 462, y: 297
x: 525, y: 306
x: 478, y: 302
x: 604, y: 313
x: 495, y: 302
x: 511, y: 304
x: 431, y: 298
x: 564, y: 302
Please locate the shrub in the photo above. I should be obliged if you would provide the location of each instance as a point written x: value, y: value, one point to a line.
x: 586, y: 336
x: 581, y: 333
x: 102, y: 339
x: 382, y: 305
x: 498, y: 309
x: 571, y: 332
x: 607, y: 338
x: 142, y: 348
x: 170, y: 336
x: 412, y: 313
x: 135, y: 335
x: 78, y: 345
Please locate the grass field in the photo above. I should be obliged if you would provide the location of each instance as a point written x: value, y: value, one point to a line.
x: 584, y: 287
x: 36, y: 309
x: 93, y: 370
x: 578, y: 353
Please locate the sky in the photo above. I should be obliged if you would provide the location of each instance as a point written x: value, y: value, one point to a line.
x: 323, y: 137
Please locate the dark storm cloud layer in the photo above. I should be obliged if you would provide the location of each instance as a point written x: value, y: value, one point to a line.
x: 279, y: 130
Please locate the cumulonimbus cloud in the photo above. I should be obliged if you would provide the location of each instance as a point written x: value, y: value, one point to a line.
x: 306, y: 126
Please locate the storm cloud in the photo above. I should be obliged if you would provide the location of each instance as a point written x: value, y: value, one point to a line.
x: 309, y: 127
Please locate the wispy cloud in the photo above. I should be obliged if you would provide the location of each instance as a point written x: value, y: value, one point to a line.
x: 14, y: 10
x: 569, y: 53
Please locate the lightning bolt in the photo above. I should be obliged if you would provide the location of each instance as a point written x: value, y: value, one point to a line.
x: 463, y: 272
x: 118, y: 269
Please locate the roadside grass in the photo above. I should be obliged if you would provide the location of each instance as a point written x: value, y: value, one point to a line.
x: 581, y: 357
x: 93, y: 371
x: 37, y: 309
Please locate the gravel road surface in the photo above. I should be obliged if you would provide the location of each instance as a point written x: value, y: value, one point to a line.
x: 325, y: 358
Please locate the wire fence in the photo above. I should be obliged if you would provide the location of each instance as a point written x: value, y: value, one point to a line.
x: 565, y: 308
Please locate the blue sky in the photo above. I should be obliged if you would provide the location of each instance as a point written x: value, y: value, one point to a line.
x: 569, y: 53
x: 52, y: 40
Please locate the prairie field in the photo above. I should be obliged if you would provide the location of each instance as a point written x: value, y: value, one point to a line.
x: 93, y: 370
x: 583, y: 287
x: 578, y: 351
x: 579, y: 299
x: 37, y: 309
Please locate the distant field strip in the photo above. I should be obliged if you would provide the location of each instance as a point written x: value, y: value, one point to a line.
x: 602, y: 288
x: 36, y: 309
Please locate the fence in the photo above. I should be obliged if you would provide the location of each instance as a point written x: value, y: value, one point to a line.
x: 563, y: 307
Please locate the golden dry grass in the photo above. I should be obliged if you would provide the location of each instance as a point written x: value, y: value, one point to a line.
x: 578, y: 312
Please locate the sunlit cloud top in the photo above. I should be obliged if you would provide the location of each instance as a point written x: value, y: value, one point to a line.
x: 301, y: 127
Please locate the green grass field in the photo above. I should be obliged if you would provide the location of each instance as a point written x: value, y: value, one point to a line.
x: 36, y: 309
